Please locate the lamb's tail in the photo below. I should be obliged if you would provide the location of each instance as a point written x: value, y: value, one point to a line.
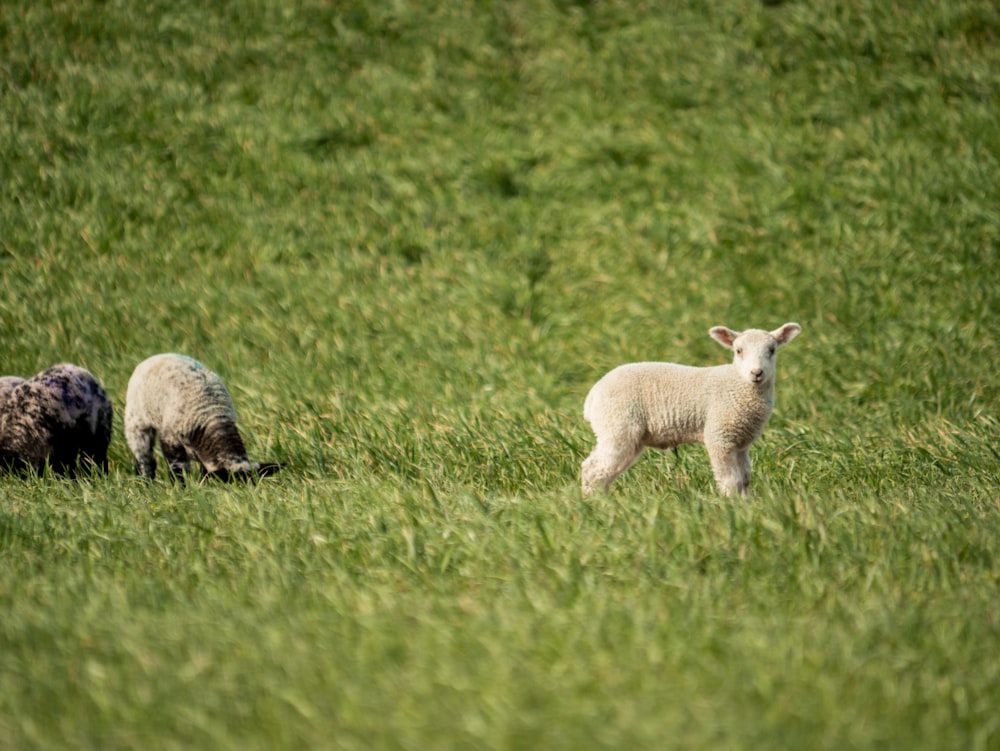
x: 589, y: 406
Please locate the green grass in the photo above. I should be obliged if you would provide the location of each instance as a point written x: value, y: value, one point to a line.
x: 411, y: 236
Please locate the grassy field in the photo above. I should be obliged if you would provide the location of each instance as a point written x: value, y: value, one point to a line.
x: 411, y: 236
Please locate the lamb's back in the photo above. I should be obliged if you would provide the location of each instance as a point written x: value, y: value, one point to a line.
x: 668, y: 403
x: 75, y: 396
x: 177, y: 390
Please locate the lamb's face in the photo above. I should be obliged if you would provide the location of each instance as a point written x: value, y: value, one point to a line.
x: 754, y: 355
x: 754, y: 350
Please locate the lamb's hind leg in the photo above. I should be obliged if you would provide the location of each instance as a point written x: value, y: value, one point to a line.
x: 93, y: 449
x: 605, y: 463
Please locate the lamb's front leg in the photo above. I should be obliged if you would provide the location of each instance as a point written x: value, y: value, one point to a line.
x: 178, y: 459
x: 728, y: 469
x: 743, y: 462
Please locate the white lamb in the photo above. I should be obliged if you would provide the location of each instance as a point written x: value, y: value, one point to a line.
x: 190, y: 409
x: 662, y: 405
x: 55, y: 418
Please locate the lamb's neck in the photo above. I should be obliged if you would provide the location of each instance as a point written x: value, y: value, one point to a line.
x: 762, y: 392
x: 219, y: 446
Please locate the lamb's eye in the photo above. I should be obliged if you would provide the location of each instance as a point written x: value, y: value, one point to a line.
x: 771, y: 352
x: 739, y: 350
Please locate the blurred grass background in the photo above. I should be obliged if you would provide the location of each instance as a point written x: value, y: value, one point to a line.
x: 410, y: 238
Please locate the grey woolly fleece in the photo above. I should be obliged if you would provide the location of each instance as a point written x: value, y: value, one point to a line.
x: 187, y: 406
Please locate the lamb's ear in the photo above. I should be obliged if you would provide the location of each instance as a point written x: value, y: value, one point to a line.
x: 786, y: 333
x: 723, y: 336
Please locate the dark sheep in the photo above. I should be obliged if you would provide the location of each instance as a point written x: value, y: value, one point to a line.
x: 60, y: 418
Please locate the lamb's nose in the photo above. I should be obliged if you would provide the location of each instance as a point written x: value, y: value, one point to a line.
x: 757, y: 372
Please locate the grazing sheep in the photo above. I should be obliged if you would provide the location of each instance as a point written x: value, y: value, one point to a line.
x: 189, y: 407
x: 662, y: 405
x: 57, y: 417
